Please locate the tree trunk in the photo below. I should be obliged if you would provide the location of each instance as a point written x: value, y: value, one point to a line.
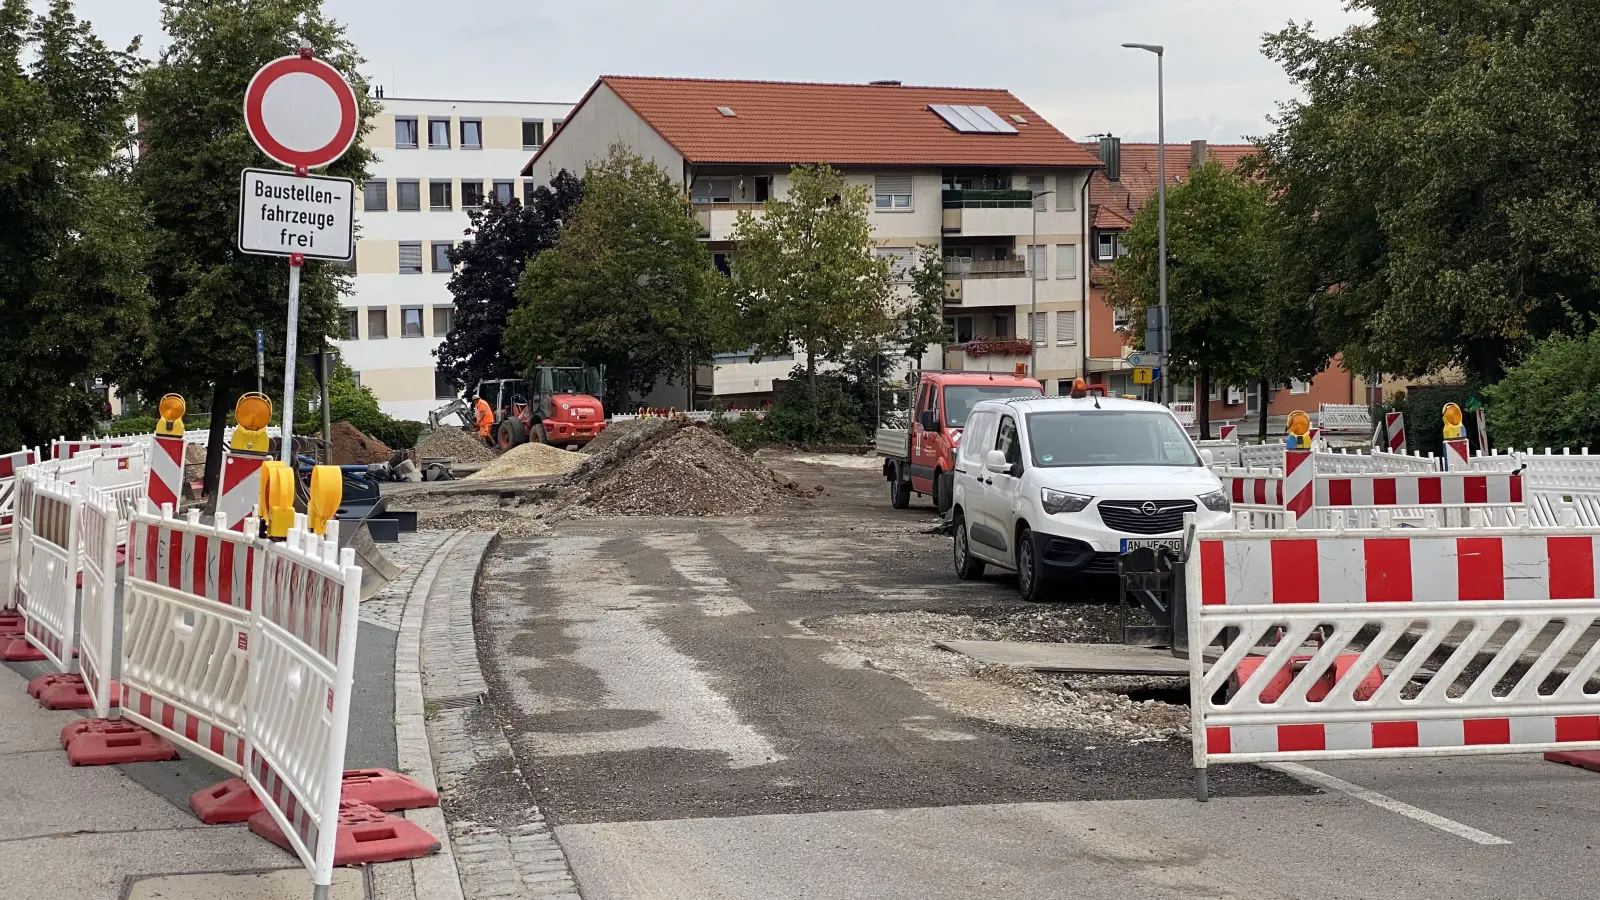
x: 222, y: 399
x: 1266, y: 400
x: 1202, y: 401
x: 811, y: 385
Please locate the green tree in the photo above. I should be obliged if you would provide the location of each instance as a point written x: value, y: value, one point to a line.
x: 921, y: 321
x: 805, y: 275
x: 72, y: 238
x: 1442, y: 176
x: 489, y: 266
x: 1217, y: 275
x: 210, y: 298
x: 1551, y: 399
x: 628, y: 284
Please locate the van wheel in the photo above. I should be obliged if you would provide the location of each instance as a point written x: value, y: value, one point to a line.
x: 967, y: 567
x: 1030, y: 573
x: 899, y: 490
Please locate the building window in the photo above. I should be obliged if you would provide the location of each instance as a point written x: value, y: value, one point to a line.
x: 443, y: 387
x: 377, y: 323
x: 960, y: 328
x: 376, y: 195
x: 1002, y: 328
x: 444, y: 319
x: 471, y: 194
x: 1039, y: 325
x: 721, y: 263
x: 405, y: 133
x: 471, y: 134
x: 411, y: 321
x: 1036, y: 188
x: 1296, y: 386
x: 711, y: 190
x: 1183, y: 391
x: 352, y: 324
x: 505, y: 192
x: 1066, y: 260
x: 441, y: 256
x: 1119, y: 321
x: 529, y: 189
x: 408, y: 196
x: 1066, y: 194
x: 439, y: 134
x: 439, y: 196
x: 901, y: 260
x: 1039, y: 261
x: 1066, y: 328
x: 891, y: 192
x: 556, y: 124
x: 532, y: 133
x: 1105, y: 246
x: 411, y: 258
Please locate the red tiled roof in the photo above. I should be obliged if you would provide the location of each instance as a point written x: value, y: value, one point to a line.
x: 1115, y: 203
x: 842, y: 124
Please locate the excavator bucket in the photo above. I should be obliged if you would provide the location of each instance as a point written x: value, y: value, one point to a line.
x: 376, y: 569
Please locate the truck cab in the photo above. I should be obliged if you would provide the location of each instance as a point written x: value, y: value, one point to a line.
x: 919, y: 458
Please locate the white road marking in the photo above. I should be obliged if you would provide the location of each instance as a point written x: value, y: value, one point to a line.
x: 1383, y: 801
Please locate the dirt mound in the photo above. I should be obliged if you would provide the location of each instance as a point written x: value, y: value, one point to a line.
x: 666, y: 468
x: 615, y: 431
x: 454, y: 444
x: 353, y: 448
x: 527, y: 460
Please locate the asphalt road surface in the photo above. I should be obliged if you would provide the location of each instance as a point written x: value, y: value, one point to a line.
x: 689, y: 736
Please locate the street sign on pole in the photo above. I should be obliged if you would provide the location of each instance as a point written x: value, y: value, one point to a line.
x: 261, y: 361
x: 302, y: 113
x: 1142, y: 375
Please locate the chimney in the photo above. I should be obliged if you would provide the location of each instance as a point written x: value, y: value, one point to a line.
x: 1198, y: 154
x: 887, y: 82
x: 1111, y: 157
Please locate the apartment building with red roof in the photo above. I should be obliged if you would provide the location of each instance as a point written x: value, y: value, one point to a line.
x: 973, y: 172
x: 1122, y: 187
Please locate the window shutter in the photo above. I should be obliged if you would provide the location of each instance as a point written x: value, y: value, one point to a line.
x: 1066, y: 193
x: 1066, y: 260
x: 1038, y: 325
x: 410, y: 258
x: 1036, y: 187
x: 892, y: 184
x: 1066, y: 327
x: 1039, y: 261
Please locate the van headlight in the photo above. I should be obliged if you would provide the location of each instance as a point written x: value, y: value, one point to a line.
x: 1062, y: 502
x: 1216, y: 501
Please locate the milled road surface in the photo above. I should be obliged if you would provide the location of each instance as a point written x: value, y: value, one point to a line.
x: 689, y: 736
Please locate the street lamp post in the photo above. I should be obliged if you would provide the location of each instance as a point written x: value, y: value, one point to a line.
x: 1033, y: 289
x: 1161, y: 209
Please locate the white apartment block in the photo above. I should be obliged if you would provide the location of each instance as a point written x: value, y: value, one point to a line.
x: 436, y: 159
x: 974, y: 173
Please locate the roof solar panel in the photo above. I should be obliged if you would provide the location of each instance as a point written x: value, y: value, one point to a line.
x: 995, y: 123
x: 972, y: 119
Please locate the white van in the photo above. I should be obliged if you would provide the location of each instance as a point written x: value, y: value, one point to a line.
x: 1062, y: 485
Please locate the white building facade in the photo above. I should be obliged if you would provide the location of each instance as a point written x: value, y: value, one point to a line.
x: 435, y: 161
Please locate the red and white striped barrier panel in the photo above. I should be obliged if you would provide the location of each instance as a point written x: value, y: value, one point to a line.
x: 1353, y: 618
x: 21, y: 537
x: 1227, y: 432
x: 98, y: 626
x: 1442, y: 489
x: 1254, y: 489
x: 1298, y: 478
x: 1395, y: 428
x: 10, y: 465
x: 48, y: 587
x: 1457, y: 455
x: 303, y: 642
x: 65, y: 449
x: 186, y: 633
x: 166, y: 471
x: 241, y: 487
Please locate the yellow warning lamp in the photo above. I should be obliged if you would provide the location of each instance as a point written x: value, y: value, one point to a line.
x: 253, y: 411
x: 277, y: 498
x: 1299, y: 431
x: 327, y: 490
x: 1080, y: 388
x: 171, y: 409
x: 1452, y: 422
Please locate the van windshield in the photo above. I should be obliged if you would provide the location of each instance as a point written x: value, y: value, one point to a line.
x: 959, y: 399
x: 1108, y: 438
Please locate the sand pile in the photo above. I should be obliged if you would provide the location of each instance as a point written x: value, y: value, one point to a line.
x: 454, y: 444
x: 667, y: 468
x: 529, y: 460
x: 353, y: 448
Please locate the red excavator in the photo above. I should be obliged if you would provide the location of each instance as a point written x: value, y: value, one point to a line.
x: 559, y: 405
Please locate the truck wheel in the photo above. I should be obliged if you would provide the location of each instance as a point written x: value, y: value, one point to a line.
x: 539, y: 436
x: 941, y: 491
x: 899, y: 490
x: 1030, y: 572
x: 512, y: 432
x: 967, y: 567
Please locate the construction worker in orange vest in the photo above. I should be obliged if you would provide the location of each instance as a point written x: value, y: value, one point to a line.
x: 485, y: 420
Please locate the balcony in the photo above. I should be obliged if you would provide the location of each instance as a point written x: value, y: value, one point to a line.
x: 967, y: 267
x: 993, y: 291
x: 980, y: 213
x: 716, y: 220
x: 993, y: 355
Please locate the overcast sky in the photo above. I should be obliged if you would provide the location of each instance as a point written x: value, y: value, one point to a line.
x: 1062, y: 57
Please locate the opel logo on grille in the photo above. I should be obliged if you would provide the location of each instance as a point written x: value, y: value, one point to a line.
x: 1149, y: 508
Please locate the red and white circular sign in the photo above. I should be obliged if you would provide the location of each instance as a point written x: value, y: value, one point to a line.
x: 301, y: 112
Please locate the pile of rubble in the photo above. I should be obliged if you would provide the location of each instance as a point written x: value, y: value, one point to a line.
x: 352, y: 447
x: 454, y: 444
x: 529, y: 461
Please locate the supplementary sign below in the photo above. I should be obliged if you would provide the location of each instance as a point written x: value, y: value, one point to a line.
x: 281, y: 214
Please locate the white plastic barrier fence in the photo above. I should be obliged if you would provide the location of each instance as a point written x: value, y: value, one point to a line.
x: 65, y: 449
x: 1258, y: 456
x: 1223, y: 453
x: 1361, y: 593
x: 303, y: 641
x: 1452, y: 495
x: 49, y: 583
x: 10, y: 465
x: 186, y: 633
x: 21, y: 537
x: 1184, y: 413
x: 1344, y: 418
x: 97, y: 628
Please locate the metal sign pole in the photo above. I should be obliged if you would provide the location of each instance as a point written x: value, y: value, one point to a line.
x: 261, y: 361
x: 291, y: 346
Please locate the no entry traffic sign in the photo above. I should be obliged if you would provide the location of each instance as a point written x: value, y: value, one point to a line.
x: 301, y: 112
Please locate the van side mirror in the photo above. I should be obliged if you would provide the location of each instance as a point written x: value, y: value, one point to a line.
x: 995, y: 461
x: 930, y: 420
x: 1206, y: 456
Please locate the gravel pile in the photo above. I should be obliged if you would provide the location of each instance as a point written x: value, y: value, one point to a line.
x: 615, y: 431
x: 454, y: 444
x: 527, y: 461
x: 351, y: 447
x: 666, y: 468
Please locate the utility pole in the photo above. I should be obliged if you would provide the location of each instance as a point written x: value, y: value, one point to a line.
x: 1161, y: 211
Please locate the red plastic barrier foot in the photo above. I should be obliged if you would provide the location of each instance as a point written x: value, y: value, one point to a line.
x: 10, y: 624
x: 1589, y: 759
x: 38, y: 685
x: 225, y: 803
x: 108, y: 742
x: 19, y: 650
x: 58, y: 691
x: 366, y: 835
x: 385, y: 790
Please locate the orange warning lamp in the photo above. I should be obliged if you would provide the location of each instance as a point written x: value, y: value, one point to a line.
x: 1452, y: 422
x: 1080, y: 388
x: 1020, y: 369
x: 171, y: 409
x: 1299, y: 431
